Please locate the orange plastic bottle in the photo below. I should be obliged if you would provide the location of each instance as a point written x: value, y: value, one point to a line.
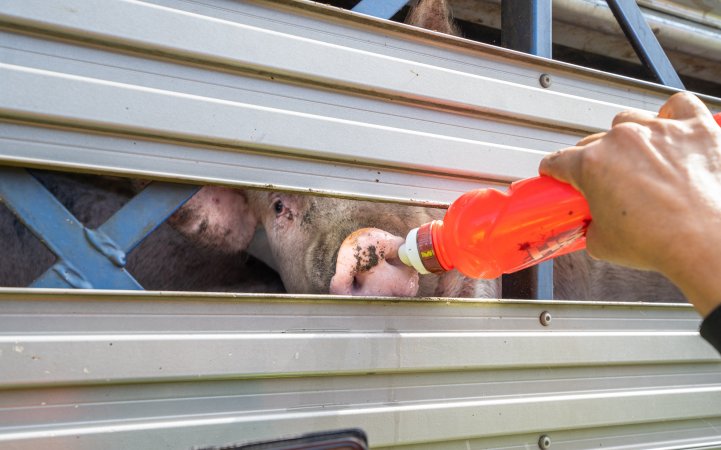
x: 487, y: 233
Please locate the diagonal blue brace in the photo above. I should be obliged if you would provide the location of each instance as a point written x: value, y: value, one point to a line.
x: 79, y: 266
x: 88, y: 258
x: 644, y: 42
x: 145, y: 212
x: 129, y: 226
x: 385, y: 9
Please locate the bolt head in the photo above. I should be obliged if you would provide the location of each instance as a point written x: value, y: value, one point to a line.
x: 545, y: 318
x: 544, y: 442
x: 545, y: 80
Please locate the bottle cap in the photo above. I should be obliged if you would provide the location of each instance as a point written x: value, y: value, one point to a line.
x: 417, y: 251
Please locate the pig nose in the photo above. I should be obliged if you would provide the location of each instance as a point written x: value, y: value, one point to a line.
x: 368, y: 264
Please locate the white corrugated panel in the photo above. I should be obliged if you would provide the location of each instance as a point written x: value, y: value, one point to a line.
x: 128, y: 370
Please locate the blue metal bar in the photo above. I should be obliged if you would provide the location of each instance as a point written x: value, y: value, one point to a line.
x: 127, y: 227
x: 526, y: 26
x: 89, y: 258
x: 63, y: 234
x: 385, y: 9
x: 644, y: 42
x: 145, y: 212
x: 544, y: 281
x: 64, y: 275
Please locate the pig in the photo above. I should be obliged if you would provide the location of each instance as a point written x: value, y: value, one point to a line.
x: 306, y: 234
x: 577, y: 276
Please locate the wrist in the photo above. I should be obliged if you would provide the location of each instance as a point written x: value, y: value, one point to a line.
x: 696, y: 269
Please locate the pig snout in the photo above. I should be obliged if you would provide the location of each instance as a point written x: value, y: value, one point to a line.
x: 368, y: 264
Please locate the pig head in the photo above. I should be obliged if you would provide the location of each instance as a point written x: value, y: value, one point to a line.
x: 315, y: 243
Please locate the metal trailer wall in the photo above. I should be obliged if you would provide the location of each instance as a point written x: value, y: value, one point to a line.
x: 291, y: 95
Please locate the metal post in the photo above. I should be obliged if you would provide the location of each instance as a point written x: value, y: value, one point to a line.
x: 526, y: 26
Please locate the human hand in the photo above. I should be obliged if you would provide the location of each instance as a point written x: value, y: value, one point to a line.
x: 653, y: 184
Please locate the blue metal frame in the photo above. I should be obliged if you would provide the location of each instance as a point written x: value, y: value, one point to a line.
x: 88, y: 258
x: 644, y: 42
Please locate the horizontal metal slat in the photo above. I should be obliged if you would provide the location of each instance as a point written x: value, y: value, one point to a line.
x: 37, y: 147
x: 308, y: 337
x: 393, y: 425
x: 119, y: 358
x: 147, y: 312
x: 61, y: 98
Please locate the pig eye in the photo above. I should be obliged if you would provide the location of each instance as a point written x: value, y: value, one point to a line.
x: 278, y: 207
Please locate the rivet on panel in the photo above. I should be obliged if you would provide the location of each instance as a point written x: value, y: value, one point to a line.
x: 544, y: 442
x: 545, y: 80
x: 545, y: 318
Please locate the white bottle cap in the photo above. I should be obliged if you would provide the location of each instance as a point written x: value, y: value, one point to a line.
x: 409, y: 255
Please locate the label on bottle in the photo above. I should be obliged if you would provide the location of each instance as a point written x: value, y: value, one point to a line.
x: 426, y: 250
x: 552, y: 245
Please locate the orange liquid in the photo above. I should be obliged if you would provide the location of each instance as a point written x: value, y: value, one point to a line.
x: 486, y: 233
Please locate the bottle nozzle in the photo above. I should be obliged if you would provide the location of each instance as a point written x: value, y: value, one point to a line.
x: 408, y: 252
x: 417, y: 251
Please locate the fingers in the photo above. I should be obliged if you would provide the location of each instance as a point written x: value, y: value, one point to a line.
x: 636, y: 116
x: 563, y: 165
x: 630, y: 129
x: 591, y: 138
x: 683, y: 105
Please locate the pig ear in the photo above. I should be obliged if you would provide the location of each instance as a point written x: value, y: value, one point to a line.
x: 217, y: 217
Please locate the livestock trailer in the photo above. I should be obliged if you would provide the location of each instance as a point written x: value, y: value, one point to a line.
x: 309, y: 98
